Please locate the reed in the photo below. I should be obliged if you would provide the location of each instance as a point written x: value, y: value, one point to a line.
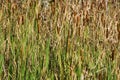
x: 59, y: 40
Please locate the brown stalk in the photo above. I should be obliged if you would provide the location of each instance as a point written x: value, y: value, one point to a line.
x: 13, y: 7
x: 39, y: 25
x: 118, y: 30
x: 20, y: 19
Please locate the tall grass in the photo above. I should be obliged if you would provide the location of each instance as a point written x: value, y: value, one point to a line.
x: 60, y: 40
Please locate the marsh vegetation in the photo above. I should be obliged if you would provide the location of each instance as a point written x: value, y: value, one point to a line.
x: 59, y: 40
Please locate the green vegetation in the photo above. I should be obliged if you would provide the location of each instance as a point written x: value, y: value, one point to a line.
x: 59, y: 40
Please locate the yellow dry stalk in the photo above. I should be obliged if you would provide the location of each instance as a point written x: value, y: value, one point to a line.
x: 1, y: 14
x: 37, y: 8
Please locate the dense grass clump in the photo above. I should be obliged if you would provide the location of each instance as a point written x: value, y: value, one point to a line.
x: 60, y: 40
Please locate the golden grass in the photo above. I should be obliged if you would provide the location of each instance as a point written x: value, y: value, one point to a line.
x: 60, y: 39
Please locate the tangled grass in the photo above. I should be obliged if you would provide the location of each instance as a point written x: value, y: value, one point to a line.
x: 60, y: 40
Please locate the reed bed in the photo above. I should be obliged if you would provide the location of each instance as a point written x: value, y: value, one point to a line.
x: 59, y: 40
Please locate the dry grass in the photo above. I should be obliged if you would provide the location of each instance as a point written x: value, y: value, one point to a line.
x: 60, y: 39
